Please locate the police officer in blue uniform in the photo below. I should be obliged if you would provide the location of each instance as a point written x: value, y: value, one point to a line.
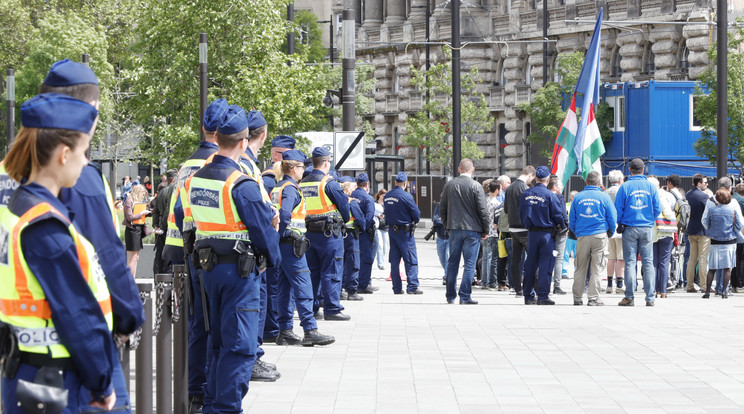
x: 234, y: 241
x: 367, y: 237
x: 90, y: 193
x: 295, y: 287
x: 59, y: 272
x: 354, y: 230
x: 327, y: 211
x: 268, y: 328
x: 402, y: 214
x: 542, y: 215
x: 279, y: 145
x: 198, y: 335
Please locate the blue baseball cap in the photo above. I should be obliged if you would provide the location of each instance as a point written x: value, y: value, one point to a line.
x: 542, y: 172
x: 54, y: 110
x: 346, y: 179
x: 283, y: 141
x: 321, y: 152
x: 401, y: 177
x: 255, y: 120
x: 233, y: 121
x: 66, y: 73
x: 293, y: 155
x: 362, y: 178
x: 214, y: 113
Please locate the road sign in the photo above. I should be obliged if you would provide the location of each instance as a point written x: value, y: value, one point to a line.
x: 342, y: 142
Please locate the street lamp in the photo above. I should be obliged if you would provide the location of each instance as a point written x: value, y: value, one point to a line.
x: 328, y: 101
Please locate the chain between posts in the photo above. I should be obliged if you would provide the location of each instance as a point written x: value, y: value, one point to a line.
x: 135, y: 339
x: 159, y: 305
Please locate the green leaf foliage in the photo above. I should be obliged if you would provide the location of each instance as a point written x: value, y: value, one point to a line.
x: 430, y: 128
x: 707, y: 108
x: 308, y: 39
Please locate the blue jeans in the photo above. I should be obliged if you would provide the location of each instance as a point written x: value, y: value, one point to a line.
x: 639, y: 240
x: 662, y: 254
x: 443, y: 253
x: 466, y: 243
x: 489, y: 261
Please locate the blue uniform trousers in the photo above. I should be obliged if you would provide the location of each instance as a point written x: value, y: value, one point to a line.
x: 538, y: 264
x: 263, y: 303
x: 271, y: 328
x: 234, y: 304
x: 366, y: 258
x: 403, y: 246
x: 78, y: 396
x: 198, y: 337
x: 325, y: 259
x: 295, y: 289
x: 351, y: 264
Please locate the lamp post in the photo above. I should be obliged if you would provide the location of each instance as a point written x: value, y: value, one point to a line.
x: 10, y: 104
x: 428, y: 65
x: 456, y: 121
x: 330, y: 38
x: 722, y: 92
x: 203, y: 79
x: 348, y: 64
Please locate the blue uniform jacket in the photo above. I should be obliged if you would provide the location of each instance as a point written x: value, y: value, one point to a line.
x: 356, y: 212
x: 87, y: 201
x: 269, y: 181
x: 250, y: 206
x: 400, y: 208
x: 367, y: 204
x: 290, y: 200
x: 637, y: 203
x: 592, y: 212
x: 51, y: 255
x: 334, y: 192
x: 539, y: 207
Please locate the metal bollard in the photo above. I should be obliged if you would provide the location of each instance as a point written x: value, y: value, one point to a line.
x: 125, y: 367
x: 181, y: 284
x: 164, y: 343
x: 143, y: 364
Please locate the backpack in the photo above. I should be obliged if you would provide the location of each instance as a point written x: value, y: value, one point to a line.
x: 682, y: 209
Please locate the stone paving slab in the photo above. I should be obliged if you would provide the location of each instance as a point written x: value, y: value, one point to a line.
x: 417, y: 354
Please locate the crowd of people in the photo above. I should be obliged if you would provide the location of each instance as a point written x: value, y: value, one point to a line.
x: 528, y: 233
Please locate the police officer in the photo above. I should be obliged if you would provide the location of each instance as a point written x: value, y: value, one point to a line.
x: 182, y: 225
x: 53, y: 291
x: 294, y: 278
x: 402, y: 214
x: 234, y: 236
x: 542, y: 215
x: 268, y: 328
x: 92, y: 193
x: 327, y: 211
x: 354, y: 229
x: 279, y: 145
x: 367, y: 237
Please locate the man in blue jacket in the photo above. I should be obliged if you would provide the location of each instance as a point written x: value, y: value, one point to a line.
x: 638, y: 204
x: 592, y: 220
x: 542, y: 216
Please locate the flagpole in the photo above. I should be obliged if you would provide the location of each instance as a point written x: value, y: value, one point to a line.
x: 722, y: 92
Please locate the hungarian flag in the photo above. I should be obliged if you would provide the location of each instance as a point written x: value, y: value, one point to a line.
x: 564, y: 161
x: 593, y: 146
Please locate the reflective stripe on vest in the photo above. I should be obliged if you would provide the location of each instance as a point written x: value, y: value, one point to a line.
x: 23, y: 304
x: 297, y: 220
x: 173, y: 235
x: 213, y: 208
x: 251, y: 169
x: 317, y: 201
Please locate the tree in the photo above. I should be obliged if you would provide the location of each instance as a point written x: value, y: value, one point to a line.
x: 246, y: 66
x: 308, y: 37
x: 546, y: 110
x: 707, y: 104
x: 430, y: 127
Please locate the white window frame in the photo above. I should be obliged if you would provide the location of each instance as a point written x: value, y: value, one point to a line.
x: 617, y: 103
x: 693, y: 127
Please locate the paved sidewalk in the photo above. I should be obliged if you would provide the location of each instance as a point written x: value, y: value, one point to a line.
x: 416, y: 354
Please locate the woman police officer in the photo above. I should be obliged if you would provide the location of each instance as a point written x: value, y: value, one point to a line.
x: 53, y: 294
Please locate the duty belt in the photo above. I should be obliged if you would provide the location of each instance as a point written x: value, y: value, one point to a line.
x: 402, y: 227
x: 44, y: 360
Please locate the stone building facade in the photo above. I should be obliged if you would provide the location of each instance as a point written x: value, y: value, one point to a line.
x: 659, y: 42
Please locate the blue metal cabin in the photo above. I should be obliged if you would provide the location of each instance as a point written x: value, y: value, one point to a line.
x: 654, y: 122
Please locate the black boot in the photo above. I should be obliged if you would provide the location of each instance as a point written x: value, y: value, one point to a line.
x: 287, y: 337
x: 313, y: 337
x: 196, y: 404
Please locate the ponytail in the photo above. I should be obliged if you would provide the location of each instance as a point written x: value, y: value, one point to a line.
x: 33, y: 148
x: 277, y: 168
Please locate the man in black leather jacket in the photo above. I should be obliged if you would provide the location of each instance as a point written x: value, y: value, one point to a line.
x: 465, y: 214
